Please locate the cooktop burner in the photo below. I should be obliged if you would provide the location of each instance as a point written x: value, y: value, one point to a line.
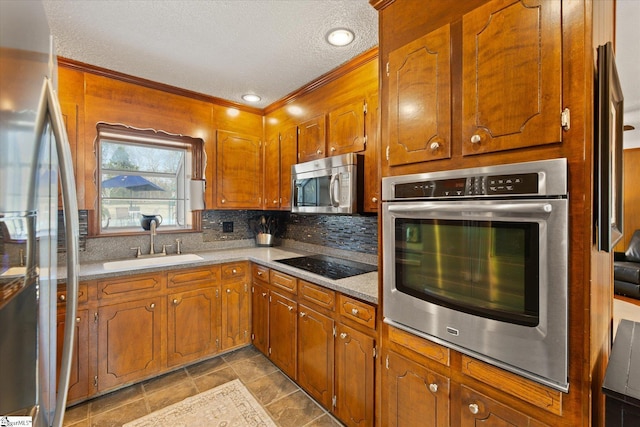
x: 330, y: 267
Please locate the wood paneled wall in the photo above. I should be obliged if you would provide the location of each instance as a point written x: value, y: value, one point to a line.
x: 631, y: 197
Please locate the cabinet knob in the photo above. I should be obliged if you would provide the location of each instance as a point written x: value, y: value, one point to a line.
x: 475, y: 138
x: 77, y: 320
x: 333, y: 149
x: 374, y: 199
x: 319, y: 152
x: 264, y: 294
x: 222, y: 201
x: 234, y: 271
x: 473, y: 408
x: 152, y: 306
x: 175, y: 302
x: 433, y: 387
x: 290, y: 307
x: 354, y: 311
x: 434, y: 146
x: 343, y: 335
x: 259, y: 273
x: 228, y: 290
x: 275, y: 202
x: 302, y: 314
x: 62, y: 297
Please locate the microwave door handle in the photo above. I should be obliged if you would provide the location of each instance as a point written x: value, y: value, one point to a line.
x: 470, y: 207
x: 335, y: 201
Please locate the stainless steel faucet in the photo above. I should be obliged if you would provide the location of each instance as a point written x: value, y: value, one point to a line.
x: 152, y: 230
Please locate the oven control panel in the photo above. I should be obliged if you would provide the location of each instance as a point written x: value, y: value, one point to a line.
x: 470, y: 186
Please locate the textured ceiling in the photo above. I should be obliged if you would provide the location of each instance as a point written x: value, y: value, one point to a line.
x: 628, y: 64
x: 219, y: 48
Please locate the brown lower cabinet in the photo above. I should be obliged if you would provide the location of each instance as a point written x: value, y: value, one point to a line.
x: 134, y: 327
x: 329, y: 336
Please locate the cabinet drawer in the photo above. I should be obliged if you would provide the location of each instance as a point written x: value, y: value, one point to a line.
x: 234, y: 270
x: 130, y: 286
x: 317, y: 294
x: 283, y: 281
x: 62, y: 293
x: 260, y: 273
x: 201, y: 276
x: 357, y: 311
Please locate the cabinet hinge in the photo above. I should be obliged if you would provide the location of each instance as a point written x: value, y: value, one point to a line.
x: 388, y: 152
x: 246, y: 333
x: 334, y: 399
x: 279, y: 137
x: 217, y: 293
x: 387, y: 69
x: 269, y: 298
x: 364, y: 108
x: 375, y: 352
x: 246, y: 287
x: 253, y: 290
x: 386, y: 363
x: 366, y: 138
x: 269, y: 351
x: 95, y: 317
x: 218, y: 343
x: 335, y: 333
x: 95, y: 381
x: 253, y: 337
x: 298, y: 130
x: 565, y: 118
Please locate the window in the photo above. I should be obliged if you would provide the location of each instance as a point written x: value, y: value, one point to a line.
x: 144, y: 172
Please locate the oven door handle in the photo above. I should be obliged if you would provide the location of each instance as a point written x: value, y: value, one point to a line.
x: 472, y: 207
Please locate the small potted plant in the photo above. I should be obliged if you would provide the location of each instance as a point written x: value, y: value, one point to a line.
x: 265, y: 228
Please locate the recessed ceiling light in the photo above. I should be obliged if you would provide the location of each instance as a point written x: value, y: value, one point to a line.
x: 250, y: 97
x: 340, y: 37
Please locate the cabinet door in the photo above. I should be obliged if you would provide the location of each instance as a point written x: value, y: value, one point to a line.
x: 238, y: 171
x: 283, y: 332
x: 346, y: 128
x: 315, y: 354
x: 288, y: 157
x: 372, y: 155
x: 477, y: 408
x: 235, y: 315
x: 79, y: 376
x: 354, y: 377
x: 191, y: 325
x: 272, y: 172
x: 260, y: 317
x: 311, y: 139
x: 414, y: 394
x: 130, y: 341
x: 420, y: 100
x: 512, y: 75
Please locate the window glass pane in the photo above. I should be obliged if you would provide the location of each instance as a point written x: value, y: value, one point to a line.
x: 143, y: 179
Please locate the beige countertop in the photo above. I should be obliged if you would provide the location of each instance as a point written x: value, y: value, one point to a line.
x: 363, y: 286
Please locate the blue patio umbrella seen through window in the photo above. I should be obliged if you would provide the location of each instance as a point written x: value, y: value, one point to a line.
x: 131, y: 182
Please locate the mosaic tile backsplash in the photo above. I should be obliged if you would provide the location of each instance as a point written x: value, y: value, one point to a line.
x: 357, y: 233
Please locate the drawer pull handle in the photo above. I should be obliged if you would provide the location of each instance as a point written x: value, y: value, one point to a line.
x: 354, y: 311
x: 152, y: 306
x: 175, y: 302
x: 62, y: 297
x: 475, y: 139
x: 473, y: 408
x: 343, y: 335
x: 433, y: 387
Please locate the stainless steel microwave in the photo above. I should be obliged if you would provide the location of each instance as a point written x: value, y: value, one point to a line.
x: 332, y: 185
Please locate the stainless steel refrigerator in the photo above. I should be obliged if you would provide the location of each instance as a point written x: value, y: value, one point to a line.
x: 35, y: 160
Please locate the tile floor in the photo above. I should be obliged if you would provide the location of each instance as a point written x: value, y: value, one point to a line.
x: 283, y: 400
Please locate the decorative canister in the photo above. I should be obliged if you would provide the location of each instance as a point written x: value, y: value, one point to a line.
x: 264, y: 239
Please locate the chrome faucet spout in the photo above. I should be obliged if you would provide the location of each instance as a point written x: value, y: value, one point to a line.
x: 152, y: 233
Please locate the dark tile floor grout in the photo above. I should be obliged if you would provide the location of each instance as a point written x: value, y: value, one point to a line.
x: 286, y: 403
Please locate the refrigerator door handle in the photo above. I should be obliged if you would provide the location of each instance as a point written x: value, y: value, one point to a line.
x: 49, y: 106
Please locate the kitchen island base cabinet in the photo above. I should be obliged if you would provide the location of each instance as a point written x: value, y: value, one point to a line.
x: 130, y: 344
x: 414, y: 394
x: 354, y: 380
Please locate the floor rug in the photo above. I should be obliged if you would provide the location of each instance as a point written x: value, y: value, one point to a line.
x: 230, y: 404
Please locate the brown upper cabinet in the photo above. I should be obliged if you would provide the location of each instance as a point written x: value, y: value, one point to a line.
x: 346, y: 128
x: 238, y: 171
x: 311, y: 139
x: 511, y: 76
x: 420, y: 100
x: 507, y: 56
x: 280, y: 152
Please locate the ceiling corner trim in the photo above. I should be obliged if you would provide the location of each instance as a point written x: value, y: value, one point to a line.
x: 336, y: 73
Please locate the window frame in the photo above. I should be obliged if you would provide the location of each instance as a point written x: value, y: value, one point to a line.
x: 149, y: 137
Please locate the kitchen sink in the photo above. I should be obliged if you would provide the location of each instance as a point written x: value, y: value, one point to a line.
x: 150, y: 261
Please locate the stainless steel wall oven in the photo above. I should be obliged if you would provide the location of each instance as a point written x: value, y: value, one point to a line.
x: 477, y: 260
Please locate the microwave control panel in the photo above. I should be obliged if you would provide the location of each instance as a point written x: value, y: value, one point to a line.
x: 470, y: 186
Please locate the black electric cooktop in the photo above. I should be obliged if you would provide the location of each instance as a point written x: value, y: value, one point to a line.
x: 330, y: 267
